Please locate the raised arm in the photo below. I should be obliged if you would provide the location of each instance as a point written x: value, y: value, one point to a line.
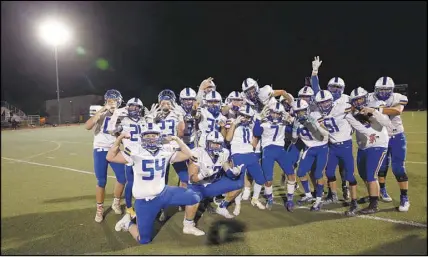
x: 316, y: 63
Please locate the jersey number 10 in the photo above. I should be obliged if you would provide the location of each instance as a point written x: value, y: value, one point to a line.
x: 152, y: 166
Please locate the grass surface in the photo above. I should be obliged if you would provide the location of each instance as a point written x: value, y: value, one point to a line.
x: 48, y: 207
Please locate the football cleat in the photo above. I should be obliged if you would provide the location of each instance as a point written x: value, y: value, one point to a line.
x: 404, y: 203
x: 115, y: 206
x: 345, y: 191
x: 224, y: 212
x: 362, y: 200
x: 237, y: 210
x: 99, y: 214
x: 332, y: 199
x: 256, y: 202
x: 316, y: 206
x: 305, y: 199
x: 123, y: 223
x: 191, y: 229
x: 246, y: 194
x: 371, y: 209
x: 352, y: 210
x: 289, y: 205
x: 384, y: 195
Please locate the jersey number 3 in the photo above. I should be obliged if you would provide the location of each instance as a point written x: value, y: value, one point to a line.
x: 152, y: 166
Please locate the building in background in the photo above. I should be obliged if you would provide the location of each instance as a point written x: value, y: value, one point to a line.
x: 73, y: 109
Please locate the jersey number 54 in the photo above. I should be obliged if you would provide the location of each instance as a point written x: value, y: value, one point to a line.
x: 153, y: 166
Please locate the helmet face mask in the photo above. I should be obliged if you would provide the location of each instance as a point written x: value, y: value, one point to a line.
x: 213, y: 107
x: 236, y: 104
x: 113, y: 98
x: 166, y: 106
x: 251, y: 93
x: 383, y: 93
x: 335, y: 90
x: 301, y: 114
x: 359, y: 102
x: 151, y: 141
x: 187, y: 103
x: 134, y: 111
x: 325, y: 106
x: 214, y: 148
x: 245, y: 119
x: 275, y: 116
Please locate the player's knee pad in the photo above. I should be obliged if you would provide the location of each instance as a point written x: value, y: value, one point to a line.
x: 331, y: 179
x: 402, y: 177
x: 102, y: 182
x: 382, y: 172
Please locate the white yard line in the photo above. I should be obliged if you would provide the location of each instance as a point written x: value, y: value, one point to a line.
x: 52, y: 166
x: 58, y: 146
x: 402, y: 222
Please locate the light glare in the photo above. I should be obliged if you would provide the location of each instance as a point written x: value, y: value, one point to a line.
x: 54, y: 33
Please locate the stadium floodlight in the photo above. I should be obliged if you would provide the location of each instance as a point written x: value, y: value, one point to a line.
x: 55, y: 33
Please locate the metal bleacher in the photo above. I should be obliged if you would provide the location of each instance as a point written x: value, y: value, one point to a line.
x: 7, y: 109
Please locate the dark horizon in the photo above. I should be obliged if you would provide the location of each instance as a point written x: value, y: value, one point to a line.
x: 151, y: 46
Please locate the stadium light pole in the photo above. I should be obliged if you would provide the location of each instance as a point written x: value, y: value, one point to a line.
x: 55, y: 34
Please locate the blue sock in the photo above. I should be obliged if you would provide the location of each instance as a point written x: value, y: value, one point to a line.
x: 305, y: 185
x: 224, y: 204
x: 320, y: 190
x: 290, y: 197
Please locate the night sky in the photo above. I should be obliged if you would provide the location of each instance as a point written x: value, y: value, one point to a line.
x: 151, y: 46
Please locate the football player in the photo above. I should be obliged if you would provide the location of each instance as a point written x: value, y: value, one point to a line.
x: 234, y: 101
x: 394, y: 106
x: 336, y: 87
x: 102, y: 143
x: 150, y: 190
x: 338, y: 120
x: 210, y: 173
x: 240, y: 136
x: 371, y: 150
x: 132, y: 123
x: 315, y: 137
x: 272, y: 132
x: 209, y: 118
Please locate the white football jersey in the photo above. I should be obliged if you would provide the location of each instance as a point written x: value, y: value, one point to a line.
x: 336, y: 124
x: 273, y: 134
x: 396, y: 121
x: 344, y: 98
x: 205, y: 162
x: 149, y: 170
x: 378, y: 127
x: 208, y: 124
x: 134, y: 128
x: 169, y: 126
x: 310, y: 139
x: 102, y: 138
x: 241, y: 141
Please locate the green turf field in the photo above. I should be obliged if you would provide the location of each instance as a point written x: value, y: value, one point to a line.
x: 48, y: 207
